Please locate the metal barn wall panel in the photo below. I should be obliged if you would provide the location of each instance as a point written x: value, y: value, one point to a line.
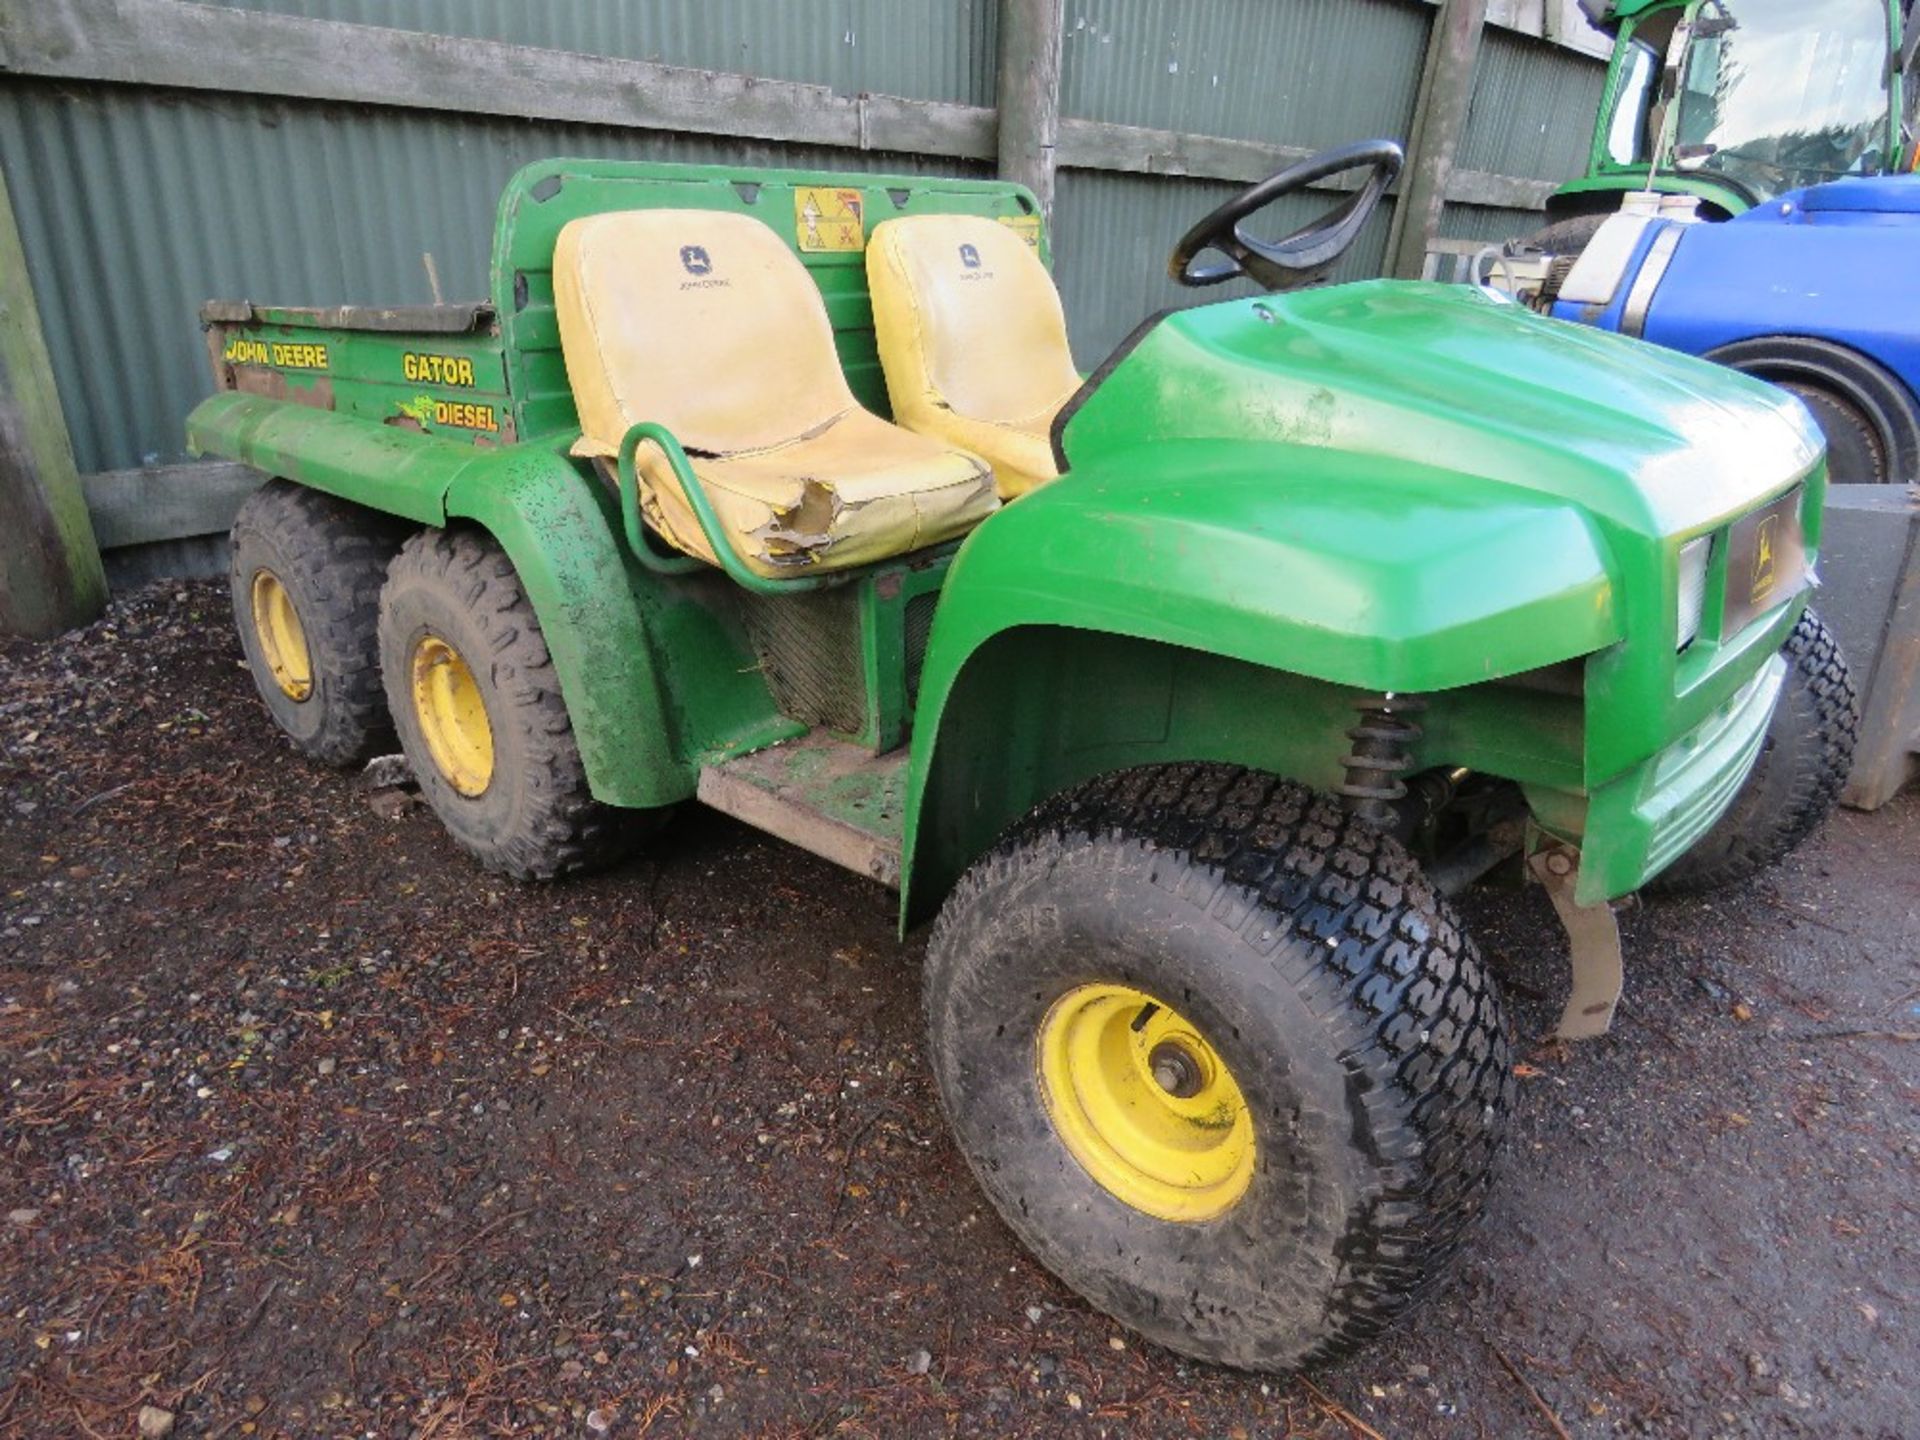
x: 923, y: 49
x: 1112, y: 234
x: 1298, y: 72
x: 135, y: 206
x: 1533, y: 109
x: 1488, y: 223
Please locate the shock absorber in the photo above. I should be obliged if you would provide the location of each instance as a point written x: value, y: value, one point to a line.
x: 1382, y: 752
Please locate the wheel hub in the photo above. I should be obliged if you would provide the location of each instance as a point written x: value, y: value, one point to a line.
x: 1144, y: 1103
x: 452, y: 714
x: 1176, y: 1071
x: 282, y: 639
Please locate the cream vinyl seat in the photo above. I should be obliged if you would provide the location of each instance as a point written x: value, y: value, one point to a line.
x: 973, y: 340
x: 705, y: 322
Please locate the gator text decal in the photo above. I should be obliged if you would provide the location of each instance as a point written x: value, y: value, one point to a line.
x: 437, y: 369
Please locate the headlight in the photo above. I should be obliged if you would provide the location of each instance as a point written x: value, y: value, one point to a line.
x: 1693, y: 588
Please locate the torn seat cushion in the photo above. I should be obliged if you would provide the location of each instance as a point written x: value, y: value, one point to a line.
x: 973, y: 340
x: 706, y: 323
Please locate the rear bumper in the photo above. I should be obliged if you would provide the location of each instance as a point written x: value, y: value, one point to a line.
x: 1645, y: 819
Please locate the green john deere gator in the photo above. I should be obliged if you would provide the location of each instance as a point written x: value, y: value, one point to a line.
x: 1180, y: 695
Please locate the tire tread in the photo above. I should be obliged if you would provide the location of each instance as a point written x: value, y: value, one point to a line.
x: 1782, y: 803
x: 341, y: 552
x: 563, y: 830
x: 1409, y: 1006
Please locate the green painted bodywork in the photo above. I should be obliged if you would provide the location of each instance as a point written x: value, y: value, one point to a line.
x: 1605, y: 178
x: 1272, y: 510
x: 659, y: 672
x: 1450, y: 491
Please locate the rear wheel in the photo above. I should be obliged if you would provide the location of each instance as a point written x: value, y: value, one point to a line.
x: 480, y: 716
x: 1802, y: 766
x: 306, y: 573
x: 1221, y: 1057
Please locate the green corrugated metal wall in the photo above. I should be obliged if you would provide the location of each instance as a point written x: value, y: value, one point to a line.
x: 923, y: 49
x: 137, y: 204
x: 135, y: 207
x: 1214, y: 67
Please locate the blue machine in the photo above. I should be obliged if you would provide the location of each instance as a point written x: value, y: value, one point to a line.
x: 1750, y: 196
x: 1817, y: 290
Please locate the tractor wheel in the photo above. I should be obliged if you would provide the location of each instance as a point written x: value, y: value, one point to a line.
x: 306, y: 572
x: 480, y: 715
x: 1802, y: 766
x: 1869, y: 417
x: 1222, y: 1058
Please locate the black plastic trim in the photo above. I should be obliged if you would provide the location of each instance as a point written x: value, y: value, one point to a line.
x: 1093, y: 382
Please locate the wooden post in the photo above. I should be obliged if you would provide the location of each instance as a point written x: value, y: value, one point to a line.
x: 50, y: 575
x: 1029, y: 93
x: 1440, y: 116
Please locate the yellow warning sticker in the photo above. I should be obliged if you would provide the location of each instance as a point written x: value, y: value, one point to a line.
x: 1027, y: 227
x: 827, y: 219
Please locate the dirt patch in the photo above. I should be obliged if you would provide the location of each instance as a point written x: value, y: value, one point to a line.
x: 310, y: 1128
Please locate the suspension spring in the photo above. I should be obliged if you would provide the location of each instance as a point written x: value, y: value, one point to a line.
x: 1382, y: 752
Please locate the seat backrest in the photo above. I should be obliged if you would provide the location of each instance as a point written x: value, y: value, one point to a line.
x: 700, y: 320
x: 967, y: 319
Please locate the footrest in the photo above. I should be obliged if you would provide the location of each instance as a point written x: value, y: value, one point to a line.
x: 832, y: 799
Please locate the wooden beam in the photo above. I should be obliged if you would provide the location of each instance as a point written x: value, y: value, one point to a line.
x: 1028, y: 93
x: 1134, y: 149
x: 50, y: 574
x: 1501, y: 192
x: 245, y: 52
x: 169, y: 44
x: 166, y: 502
x: 1440, y: 117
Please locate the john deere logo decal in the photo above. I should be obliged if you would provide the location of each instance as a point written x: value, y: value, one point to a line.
x: 697, y: 263
x: 969, y: 257
x: 1764, y: 569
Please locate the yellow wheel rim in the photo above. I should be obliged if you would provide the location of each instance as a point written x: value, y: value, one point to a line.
x: 1144, y: 1103
x: 452, y: 715
x: 283, y: 643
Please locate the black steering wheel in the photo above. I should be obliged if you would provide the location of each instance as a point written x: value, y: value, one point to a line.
x: 1304, y: 257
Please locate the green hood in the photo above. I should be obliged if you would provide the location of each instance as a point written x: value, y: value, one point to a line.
x: 1643, y: 440
x: 1391, y: 484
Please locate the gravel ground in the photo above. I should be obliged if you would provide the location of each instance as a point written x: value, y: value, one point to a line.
x: 312, y: 1129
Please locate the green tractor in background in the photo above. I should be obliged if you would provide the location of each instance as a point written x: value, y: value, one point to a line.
x: 1735, y: 102
x: 1179, y: 696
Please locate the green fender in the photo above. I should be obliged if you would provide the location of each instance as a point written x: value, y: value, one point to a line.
x: 561, y: 539
x: 1225, y: 600
x: 1617, y: 181
x: 559, y: 532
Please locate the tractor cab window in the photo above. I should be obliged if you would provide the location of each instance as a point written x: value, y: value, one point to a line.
x: 1628, y: 140
x: 1777, y: 94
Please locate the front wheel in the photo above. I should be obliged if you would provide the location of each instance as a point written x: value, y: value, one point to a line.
x: 1792, y: 788
x: 1222, y: 1058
